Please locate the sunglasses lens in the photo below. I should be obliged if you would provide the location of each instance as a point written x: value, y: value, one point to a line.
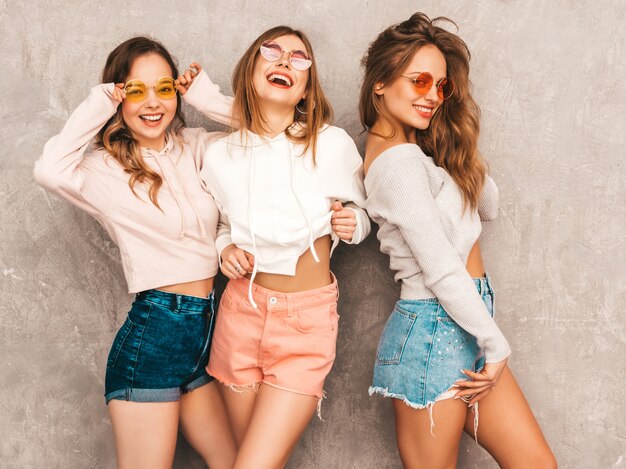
x: 166, y: 88
x: 445, y: 87
x: 423, y: 82
x: 271, y: 51
x: 300, y: 60
x: 135, y: 91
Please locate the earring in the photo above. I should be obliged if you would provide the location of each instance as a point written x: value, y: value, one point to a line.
x: 300, y: 110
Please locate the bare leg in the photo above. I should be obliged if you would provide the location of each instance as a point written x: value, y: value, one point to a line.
x: 145, y: 433
x: 508, y: 429
x: 418, y: 447
x: 278, y: 420
x: 204, y: 423
x: 239, y: 405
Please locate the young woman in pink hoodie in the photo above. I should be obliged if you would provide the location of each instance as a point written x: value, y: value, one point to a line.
x: 140, y: 181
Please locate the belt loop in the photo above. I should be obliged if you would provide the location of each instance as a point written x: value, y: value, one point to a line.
x: 178, y: 302
x: 288, y: 299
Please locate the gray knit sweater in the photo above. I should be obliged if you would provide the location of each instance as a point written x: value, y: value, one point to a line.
x: 428, y: 236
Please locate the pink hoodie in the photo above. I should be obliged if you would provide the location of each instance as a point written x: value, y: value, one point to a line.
x: 159, y: 247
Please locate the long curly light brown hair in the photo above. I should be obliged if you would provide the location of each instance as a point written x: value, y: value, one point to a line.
x: 115, y: 137
x: 452, y: 136
x: 317, y: 108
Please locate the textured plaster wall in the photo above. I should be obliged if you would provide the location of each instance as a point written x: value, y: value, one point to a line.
x: 549, y: 77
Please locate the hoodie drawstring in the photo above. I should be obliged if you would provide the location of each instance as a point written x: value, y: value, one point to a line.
x: 180, y: 209
x: 196, y: 212
x: 194, y: 207
x: 251, y: 223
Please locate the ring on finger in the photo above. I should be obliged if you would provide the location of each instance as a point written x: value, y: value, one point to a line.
x: 238, y: 268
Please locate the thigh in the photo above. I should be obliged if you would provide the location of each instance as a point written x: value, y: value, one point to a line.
x: 204, y: 423
x: 145, y: 433
x: 239, y: 403
x: 508, y: 429
x: 278, y: 420
x: 429, y: 438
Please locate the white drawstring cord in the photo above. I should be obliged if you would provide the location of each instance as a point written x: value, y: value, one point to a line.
x: 251, y: 223
x: 180, y: 210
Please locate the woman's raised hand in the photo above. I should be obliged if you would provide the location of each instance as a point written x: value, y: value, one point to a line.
x: 236, y: 262
x: 118, y: 93
x: 185, y: 80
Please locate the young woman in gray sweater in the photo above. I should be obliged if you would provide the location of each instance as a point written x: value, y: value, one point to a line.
x: 428, y: 190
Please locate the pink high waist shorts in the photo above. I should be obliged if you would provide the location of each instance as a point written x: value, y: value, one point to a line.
x: 287, y: 342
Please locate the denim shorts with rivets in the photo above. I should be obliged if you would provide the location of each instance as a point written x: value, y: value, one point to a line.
x: 422, y: 351
x: 162, y: 349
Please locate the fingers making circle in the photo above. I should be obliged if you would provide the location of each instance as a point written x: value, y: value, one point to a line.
x: 118, y: 92
x: 196, y: 67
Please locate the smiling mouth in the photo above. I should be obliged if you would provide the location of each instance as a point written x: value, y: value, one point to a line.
x: 423, y: 109
x: 152, y: 117
x: 281, y: 80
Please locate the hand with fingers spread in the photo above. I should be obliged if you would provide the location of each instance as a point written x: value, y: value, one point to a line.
x: 343, y: 221
x: 119, y: 94
x: 236, y: 262
x: 479, y: 384
x: 185, y: 80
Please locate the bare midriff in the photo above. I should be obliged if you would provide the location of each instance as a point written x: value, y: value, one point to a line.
x: 309, y: 274
x: 200, y: 288
x: 475, y: 265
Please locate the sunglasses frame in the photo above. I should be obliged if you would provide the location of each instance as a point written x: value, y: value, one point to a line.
x: 154, y: 87
x: 289, y: 55
x: 438, y: 86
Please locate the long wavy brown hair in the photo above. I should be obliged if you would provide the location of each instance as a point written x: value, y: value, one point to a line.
x: 317, y: 108
x: 115, y: 137
x: 452, y: 136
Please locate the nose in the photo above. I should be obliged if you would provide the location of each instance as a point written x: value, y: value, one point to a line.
x: 432, y: 94
x: 151, y: 97
x: 283, y: 59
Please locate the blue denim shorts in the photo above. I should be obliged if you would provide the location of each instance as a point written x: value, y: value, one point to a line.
x: 162, y: 349
x: 422, y: 351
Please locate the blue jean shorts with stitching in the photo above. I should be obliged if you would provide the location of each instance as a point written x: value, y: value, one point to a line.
x: 162, y: 349
x: 422, y: 351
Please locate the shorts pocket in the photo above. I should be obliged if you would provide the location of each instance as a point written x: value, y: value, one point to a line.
x: 317, y: 319
x: 228, y: 302
x: 394, y: 338
x: 119, y: 341
x: 452, y: 345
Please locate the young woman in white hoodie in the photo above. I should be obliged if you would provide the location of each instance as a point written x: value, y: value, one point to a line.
x: 288, y: 187
x: 140, y: 181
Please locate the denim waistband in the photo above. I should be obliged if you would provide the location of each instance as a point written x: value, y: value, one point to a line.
x: 483, y: 284
x: 176, y: 301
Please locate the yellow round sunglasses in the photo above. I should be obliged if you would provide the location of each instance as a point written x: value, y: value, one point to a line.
x: 136, y: 90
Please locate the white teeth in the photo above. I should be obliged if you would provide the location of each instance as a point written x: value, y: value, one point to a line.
x: 152, y: 118
x: 282, y: 79
x: 423, y: 109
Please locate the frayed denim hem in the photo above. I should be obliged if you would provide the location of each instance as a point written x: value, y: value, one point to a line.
x: 429, y: 405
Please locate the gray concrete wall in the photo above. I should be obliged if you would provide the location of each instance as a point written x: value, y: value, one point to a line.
x: 549, y: 77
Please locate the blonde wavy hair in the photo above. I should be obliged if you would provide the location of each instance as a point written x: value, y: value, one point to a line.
x: 115, y: 137
x: 452, y: 136
x: 317, y: 109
